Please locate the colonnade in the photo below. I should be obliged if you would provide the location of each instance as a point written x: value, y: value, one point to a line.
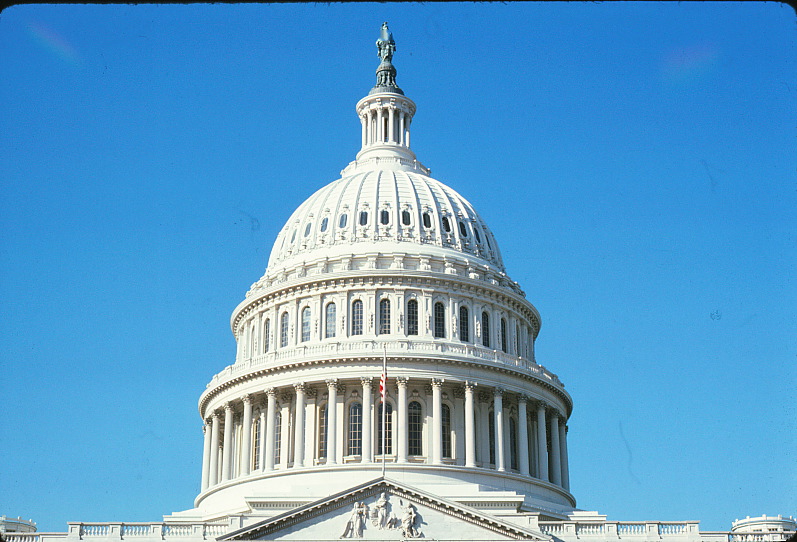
x: 386, y: 121
x: 334, y: 422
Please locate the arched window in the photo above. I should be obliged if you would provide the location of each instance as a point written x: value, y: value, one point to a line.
x: 415, y: 428
x: 343, y: 219
x: 324, y: 224
x: 330, y: 321
x: 463, y: 230
x: 427, y: 221
x: 322, y: 431
x: 517, y: 338
x: 412, y: 317
x: 405, y: 217
x: 446, y: 224
x: 357, y: 318
x: 363, y: 218
x: 503, y: 334
x: 388, y: 433
x: 513, y: 444
x: 255, y: 462
x: 307, y: 229
x: 384, y: 317
x: 305, y: 324
x: 464, y: 324
x: 446, y: 430
x: 486, y: 329
x: 277, y: 436
x: 491, y: 435
x: 266, y: 334
x: 355, y: 429
x: 384, y: 217
x: 439, y: 320
x: 284, y: 330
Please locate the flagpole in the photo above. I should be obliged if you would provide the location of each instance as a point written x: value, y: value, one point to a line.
x: 384, y: 409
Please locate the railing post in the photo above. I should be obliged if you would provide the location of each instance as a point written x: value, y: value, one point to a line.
x: 611, y: 530
x: 652, y: 531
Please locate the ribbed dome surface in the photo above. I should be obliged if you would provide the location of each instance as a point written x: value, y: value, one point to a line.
x: 394, y: 211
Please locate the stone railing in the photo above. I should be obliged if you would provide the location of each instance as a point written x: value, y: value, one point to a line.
x: 403, y: 347
x: 615, y: 530
x: 729, y: 536
x: 34, y: 537
x: 139, y: 531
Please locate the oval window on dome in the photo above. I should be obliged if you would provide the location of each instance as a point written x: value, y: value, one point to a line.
x: 307, y: 229
x: 343, y: 219
x: 384, y: 217
x: 446, y: 224
x: 405, y: 217
x: 363, y: 218
x: 293, y: 237
x: 427, y: 220
x: 324, y: 224
x: 463, y: 230
x: 478, y: 237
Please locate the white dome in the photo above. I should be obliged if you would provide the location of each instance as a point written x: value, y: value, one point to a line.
x: 393, y: 211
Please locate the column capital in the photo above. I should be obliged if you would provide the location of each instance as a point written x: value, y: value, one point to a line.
x: 437, y: 382
x: 227, y: 407
x: 367, y: 381
x: 271, y: 392
x: 332, y: 383
x: 542, y: 405
x: 215, y: 415
x: 470, y: 386
x: 498, y: 392
x: 401, y: 381
x: 299, y: 387
x: 484, y: 397
x: 247, y: 398
x: 522, y: 398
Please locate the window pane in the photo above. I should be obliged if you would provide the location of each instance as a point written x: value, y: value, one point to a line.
x: 439, y: 320
x: 322, y: 432
x: 305, y: 324
x: 503, y: 334
x: 491, y: 425
x: 266, y: 335
x: 357, y: 318
x: 486, y: 329
x: 277, y: 436
x: 412, y: 317
x: 363, y: 218
x: 389, y: 432
x: 307, y: 229
x: 427, y: 220
x: 384, y: 217
x: 463, y: 230
x: 384, y: 317
x: 284, y: 330
x: 464, y: 324
x: 343, y: 219
x: 255, y: 463
x: 446, y: 224
x: 513, y: 444
x: 355, y: 429
x: 405, y: 218
x: 331, y: 321
x: 446, y: 430
x: 415, y: 429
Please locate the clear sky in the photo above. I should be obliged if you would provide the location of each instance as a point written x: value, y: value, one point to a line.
x: 636, y: 162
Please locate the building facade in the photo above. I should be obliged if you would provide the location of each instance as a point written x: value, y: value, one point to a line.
x: 385, y: 384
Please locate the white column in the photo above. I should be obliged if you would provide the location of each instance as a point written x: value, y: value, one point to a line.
x: 563, y: 446
x: 379, y: 127
x: 556, y: 458
x: 332, y: 418
x: 271, y: 427
x: 470, y: 437
x: 484, y: 424
x: 407, y: 123
x: 498, y: 410
x: 363, y: 121
x: 368, y: 455
x: 285, y: 431
x: 523, y: 436
x: 391, y: 126
x: 213, y: 475
x: 261, y: 460
x: 401, y: 127
x: 401, y: 430
x: 298, y: 428
x: 206, y: 430
x: 226, y: 462
x: 369, y: 130
x: 246, y: 437
x: 542, y: 442
x: 437, y: 421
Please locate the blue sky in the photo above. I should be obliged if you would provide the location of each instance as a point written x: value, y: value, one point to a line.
x: 636, y: 162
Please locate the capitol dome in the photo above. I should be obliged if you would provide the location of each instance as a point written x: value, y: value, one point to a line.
x: 385, y: 341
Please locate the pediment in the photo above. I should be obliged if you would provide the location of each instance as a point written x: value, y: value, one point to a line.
x: 383, y: 510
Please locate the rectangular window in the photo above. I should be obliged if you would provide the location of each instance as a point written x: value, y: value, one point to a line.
x: 412, y: 317
x: 357, y: 318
